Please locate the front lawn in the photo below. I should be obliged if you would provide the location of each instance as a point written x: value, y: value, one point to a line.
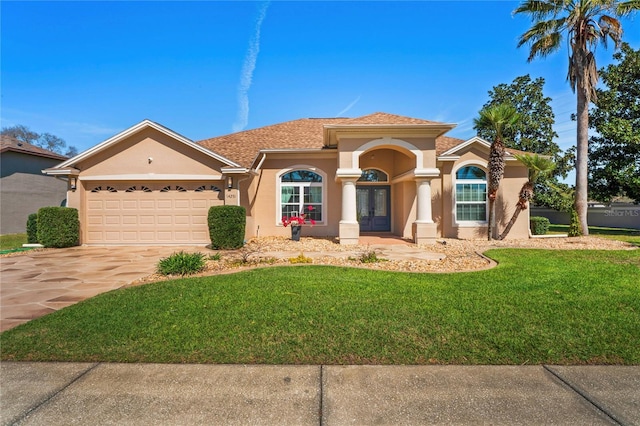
x: 537, y: 306
x: 631, y: 236
x: 12, y: 241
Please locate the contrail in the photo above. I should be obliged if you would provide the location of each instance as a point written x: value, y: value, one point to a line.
x: 246, y: 75
x: 348, y: 107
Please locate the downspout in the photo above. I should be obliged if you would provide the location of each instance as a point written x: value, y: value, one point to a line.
x: 264, y: 157
x: 238, y: 186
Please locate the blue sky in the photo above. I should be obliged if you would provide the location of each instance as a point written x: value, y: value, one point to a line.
x: 85, y: 71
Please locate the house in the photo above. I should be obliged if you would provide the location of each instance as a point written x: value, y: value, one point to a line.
x: 378, y: 173
x: 23, y: 188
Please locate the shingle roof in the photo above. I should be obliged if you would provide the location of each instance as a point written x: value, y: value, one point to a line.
x: 8, y: 143
x: 306, y: 133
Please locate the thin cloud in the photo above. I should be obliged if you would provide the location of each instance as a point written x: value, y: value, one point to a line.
x: 246, y: 76
x: 351, y: 105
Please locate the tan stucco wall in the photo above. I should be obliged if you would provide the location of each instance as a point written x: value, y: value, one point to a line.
x: 403, y: 159
x: 515, y: 176
x: 131, y: 156
x: 261, y: 197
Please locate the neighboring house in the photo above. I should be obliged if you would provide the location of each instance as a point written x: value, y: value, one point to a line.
x: 377, y: 173
x: 23, y: 187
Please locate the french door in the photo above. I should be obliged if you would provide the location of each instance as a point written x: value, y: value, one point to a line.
x: 374, y: 205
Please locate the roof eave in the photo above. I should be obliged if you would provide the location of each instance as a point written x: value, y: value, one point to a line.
x: 137, y: 128
x: 432, y: 129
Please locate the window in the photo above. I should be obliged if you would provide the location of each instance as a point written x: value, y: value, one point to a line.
x: 301, y: 191
x: 471, y: 194
x: 373, y: 175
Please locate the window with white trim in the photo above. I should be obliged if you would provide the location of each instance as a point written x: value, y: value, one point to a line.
x: 471, y: 194
x: 301, y: 191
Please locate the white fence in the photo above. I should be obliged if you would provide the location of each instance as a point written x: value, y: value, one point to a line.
x: 610, y: 217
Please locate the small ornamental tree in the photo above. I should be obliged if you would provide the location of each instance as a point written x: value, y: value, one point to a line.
x: 227, y: 226
x: 32, y: 228
x: 58, y: 227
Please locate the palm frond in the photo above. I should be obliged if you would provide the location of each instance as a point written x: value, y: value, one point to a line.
x: 545, y: 46
x: 539, y: 9
x: 627, y: 7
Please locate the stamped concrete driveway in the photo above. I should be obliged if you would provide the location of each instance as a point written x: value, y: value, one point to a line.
x: 39, y: 282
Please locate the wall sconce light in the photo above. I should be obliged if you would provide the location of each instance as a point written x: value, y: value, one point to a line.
x: 150, y: 160
x: 73, y: 183
x: 229, y: 182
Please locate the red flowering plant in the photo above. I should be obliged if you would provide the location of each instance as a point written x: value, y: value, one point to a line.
x: 299, y: 220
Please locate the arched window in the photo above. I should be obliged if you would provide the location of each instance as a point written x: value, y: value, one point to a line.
x: 471, y: 194
x: 301, y: 192
x: 373, y: 175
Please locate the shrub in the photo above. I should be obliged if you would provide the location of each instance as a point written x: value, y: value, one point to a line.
x: 574, y: 227
x: 370, y: 256
x: 58, y: 227
x: 300, y: 259
x: 182, y: 263
x: 226, y: 226
x: 32, y: 228
x: 539, y: 225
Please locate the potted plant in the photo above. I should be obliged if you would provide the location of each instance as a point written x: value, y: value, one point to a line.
x: 296, y: 223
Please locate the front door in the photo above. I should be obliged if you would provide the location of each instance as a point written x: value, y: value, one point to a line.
x: 373, y: 203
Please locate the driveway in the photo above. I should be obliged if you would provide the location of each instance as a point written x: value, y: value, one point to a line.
x: 40, y: 282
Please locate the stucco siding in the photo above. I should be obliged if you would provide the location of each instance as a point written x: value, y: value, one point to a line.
x: 263, y: 195
x: 149, y: 152
x: 25, y: 193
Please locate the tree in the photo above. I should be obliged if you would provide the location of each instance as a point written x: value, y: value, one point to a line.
x: 44, y: 140
x: 614, y: 152
x: 586, y: 23
x: 501, y: 119
x: 533, y: 133
x: 21, y: 133
x: 538, y: 167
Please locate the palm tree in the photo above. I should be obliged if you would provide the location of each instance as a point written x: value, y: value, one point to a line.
x: 585, y: 22
x: 538, y: 166
x: 498, y: 118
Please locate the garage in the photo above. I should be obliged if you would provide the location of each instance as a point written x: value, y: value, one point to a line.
x: 147, y: 212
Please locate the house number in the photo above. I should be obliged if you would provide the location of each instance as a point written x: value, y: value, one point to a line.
x: 231, y: 196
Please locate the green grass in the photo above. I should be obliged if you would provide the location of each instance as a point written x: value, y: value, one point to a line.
x: 631, y: 236
x: 12, y: 242
x: 537, y: 306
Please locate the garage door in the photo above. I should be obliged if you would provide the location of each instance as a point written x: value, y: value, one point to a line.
x: 150, y: 212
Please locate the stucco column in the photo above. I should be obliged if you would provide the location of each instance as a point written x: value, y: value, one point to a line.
x: 349, y: 226
x: 424, y: 229
x: 349, y: 211
x: 423, y: 194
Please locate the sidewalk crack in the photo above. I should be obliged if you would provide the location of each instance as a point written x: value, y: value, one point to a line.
x: 585, y: 395
x: 52, y: 395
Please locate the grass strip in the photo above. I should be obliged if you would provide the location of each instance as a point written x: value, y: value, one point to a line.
x: 537, y: 306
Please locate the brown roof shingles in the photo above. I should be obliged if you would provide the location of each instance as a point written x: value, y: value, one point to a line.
x: 306, y: 133
x: 8, y: 143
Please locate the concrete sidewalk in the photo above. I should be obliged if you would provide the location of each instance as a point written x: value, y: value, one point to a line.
x: 85, y: 393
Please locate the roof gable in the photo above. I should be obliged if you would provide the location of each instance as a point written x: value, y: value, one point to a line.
x: 455, y: 151
x: 8, y: 143
x: 145, y: 124
x: 307, y: 133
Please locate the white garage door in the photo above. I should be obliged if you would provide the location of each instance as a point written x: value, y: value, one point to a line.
x: 150, y: 213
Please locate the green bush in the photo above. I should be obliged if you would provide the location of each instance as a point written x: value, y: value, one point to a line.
x: 182, y: 263
x: 574, y: 227
x: 58, y: 227
x: 32, y: 228
x: 539, y: 225
x: 226, y: 226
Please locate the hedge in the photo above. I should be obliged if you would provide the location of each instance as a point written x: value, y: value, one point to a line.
x: 32, y: 228
x: 58, y: 227
x: 539, y: 225
x: 227, y: 226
